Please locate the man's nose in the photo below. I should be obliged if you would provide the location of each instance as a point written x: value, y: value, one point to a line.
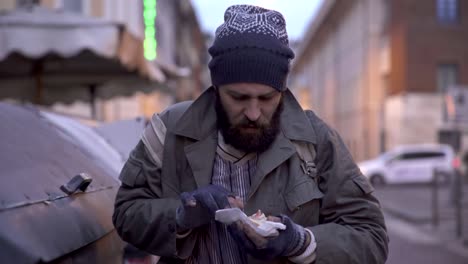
x: 252, y: 110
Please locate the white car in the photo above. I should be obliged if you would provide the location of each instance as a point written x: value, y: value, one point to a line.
x: 410, y: 164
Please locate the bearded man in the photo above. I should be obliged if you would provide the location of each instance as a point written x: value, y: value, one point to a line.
x: 237, y: 146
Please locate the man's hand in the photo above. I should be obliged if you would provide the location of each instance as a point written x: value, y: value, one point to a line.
x: 289, y: 242
x: 198, y: 207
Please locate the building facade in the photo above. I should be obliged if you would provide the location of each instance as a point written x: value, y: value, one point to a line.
x: 180, y: 54
x: 376, y: 70
x: 429, y: 53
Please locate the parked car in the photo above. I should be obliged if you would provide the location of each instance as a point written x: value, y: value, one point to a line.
x: 410, y: 164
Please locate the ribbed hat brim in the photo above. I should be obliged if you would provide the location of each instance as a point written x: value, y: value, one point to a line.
x: 253, y: 65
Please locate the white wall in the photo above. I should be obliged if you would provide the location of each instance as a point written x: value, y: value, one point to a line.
x: 126, y: 12
x: 413, y: 118
x: 344, y: 71
x: 7, y: 4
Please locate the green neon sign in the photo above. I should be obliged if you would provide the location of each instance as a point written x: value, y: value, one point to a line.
x: 150, y: 43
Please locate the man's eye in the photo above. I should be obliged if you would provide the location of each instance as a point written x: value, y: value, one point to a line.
x: 240, y: 97
x: 265, y: 98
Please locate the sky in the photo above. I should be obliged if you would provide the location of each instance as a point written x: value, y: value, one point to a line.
x: 297, y: 13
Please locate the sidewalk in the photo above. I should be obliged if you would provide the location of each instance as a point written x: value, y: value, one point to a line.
x: 414, y: 205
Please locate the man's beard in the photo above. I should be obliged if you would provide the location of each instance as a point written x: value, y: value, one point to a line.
x: 248, y: 142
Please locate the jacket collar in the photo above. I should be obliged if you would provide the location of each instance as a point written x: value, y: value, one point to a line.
x: 294, y: 122
x: 199, y: 121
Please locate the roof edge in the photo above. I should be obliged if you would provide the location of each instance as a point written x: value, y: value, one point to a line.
x: 312, y: 29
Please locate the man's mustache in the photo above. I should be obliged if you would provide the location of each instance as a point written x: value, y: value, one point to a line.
x: 249, y: 124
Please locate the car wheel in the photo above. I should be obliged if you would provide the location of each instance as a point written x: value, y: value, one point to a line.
x: 377, y: 180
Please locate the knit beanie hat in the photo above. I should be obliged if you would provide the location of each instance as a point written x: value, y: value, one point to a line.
x: 251, y: 46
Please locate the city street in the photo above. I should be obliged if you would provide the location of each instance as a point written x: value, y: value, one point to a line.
x: 410, y: 245
x: 126, y: 126
x: 414, y: 236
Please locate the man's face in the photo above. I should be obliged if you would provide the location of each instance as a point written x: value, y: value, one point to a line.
x: 248, y: 115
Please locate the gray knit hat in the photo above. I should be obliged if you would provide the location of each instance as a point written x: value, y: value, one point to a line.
x: 251, y: 46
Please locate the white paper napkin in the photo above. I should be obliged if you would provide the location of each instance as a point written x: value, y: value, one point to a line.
x: 231, y: 215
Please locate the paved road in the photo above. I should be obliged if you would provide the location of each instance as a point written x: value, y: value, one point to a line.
x: 414, y: 203
x: 409, y: 245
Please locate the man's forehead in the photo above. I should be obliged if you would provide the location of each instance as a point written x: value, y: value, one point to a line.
x: 251, y: 89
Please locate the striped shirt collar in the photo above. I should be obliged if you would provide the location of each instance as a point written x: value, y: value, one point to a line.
x: 232, y: 154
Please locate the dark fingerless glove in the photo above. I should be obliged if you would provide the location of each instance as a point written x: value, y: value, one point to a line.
x: 198, y: 207
x: 290, y: 242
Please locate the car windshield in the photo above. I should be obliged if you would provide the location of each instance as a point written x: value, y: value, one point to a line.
x: 386, y: 156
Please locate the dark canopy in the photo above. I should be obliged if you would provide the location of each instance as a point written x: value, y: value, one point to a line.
x: 37, y: 220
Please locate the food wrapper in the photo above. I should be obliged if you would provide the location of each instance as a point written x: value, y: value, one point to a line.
x: 258, y: 221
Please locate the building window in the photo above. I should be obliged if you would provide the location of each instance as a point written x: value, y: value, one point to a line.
x: 447, y: 75
x: 26, y: 3
x: 75, y: 6
x: 447, y: 11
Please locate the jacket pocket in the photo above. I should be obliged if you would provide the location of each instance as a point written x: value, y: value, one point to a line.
x: 131, y: 174
x: 363, y: 184
x: 301, y: 194
x: 303, y: 202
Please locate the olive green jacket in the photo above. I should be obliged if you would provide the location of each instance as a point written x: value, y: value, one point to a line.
x: 344, y: 216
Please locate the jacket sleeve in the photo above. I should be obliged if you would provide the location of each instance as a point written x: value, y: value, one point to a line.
x: 352, y: 227
x: 141, y: 216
